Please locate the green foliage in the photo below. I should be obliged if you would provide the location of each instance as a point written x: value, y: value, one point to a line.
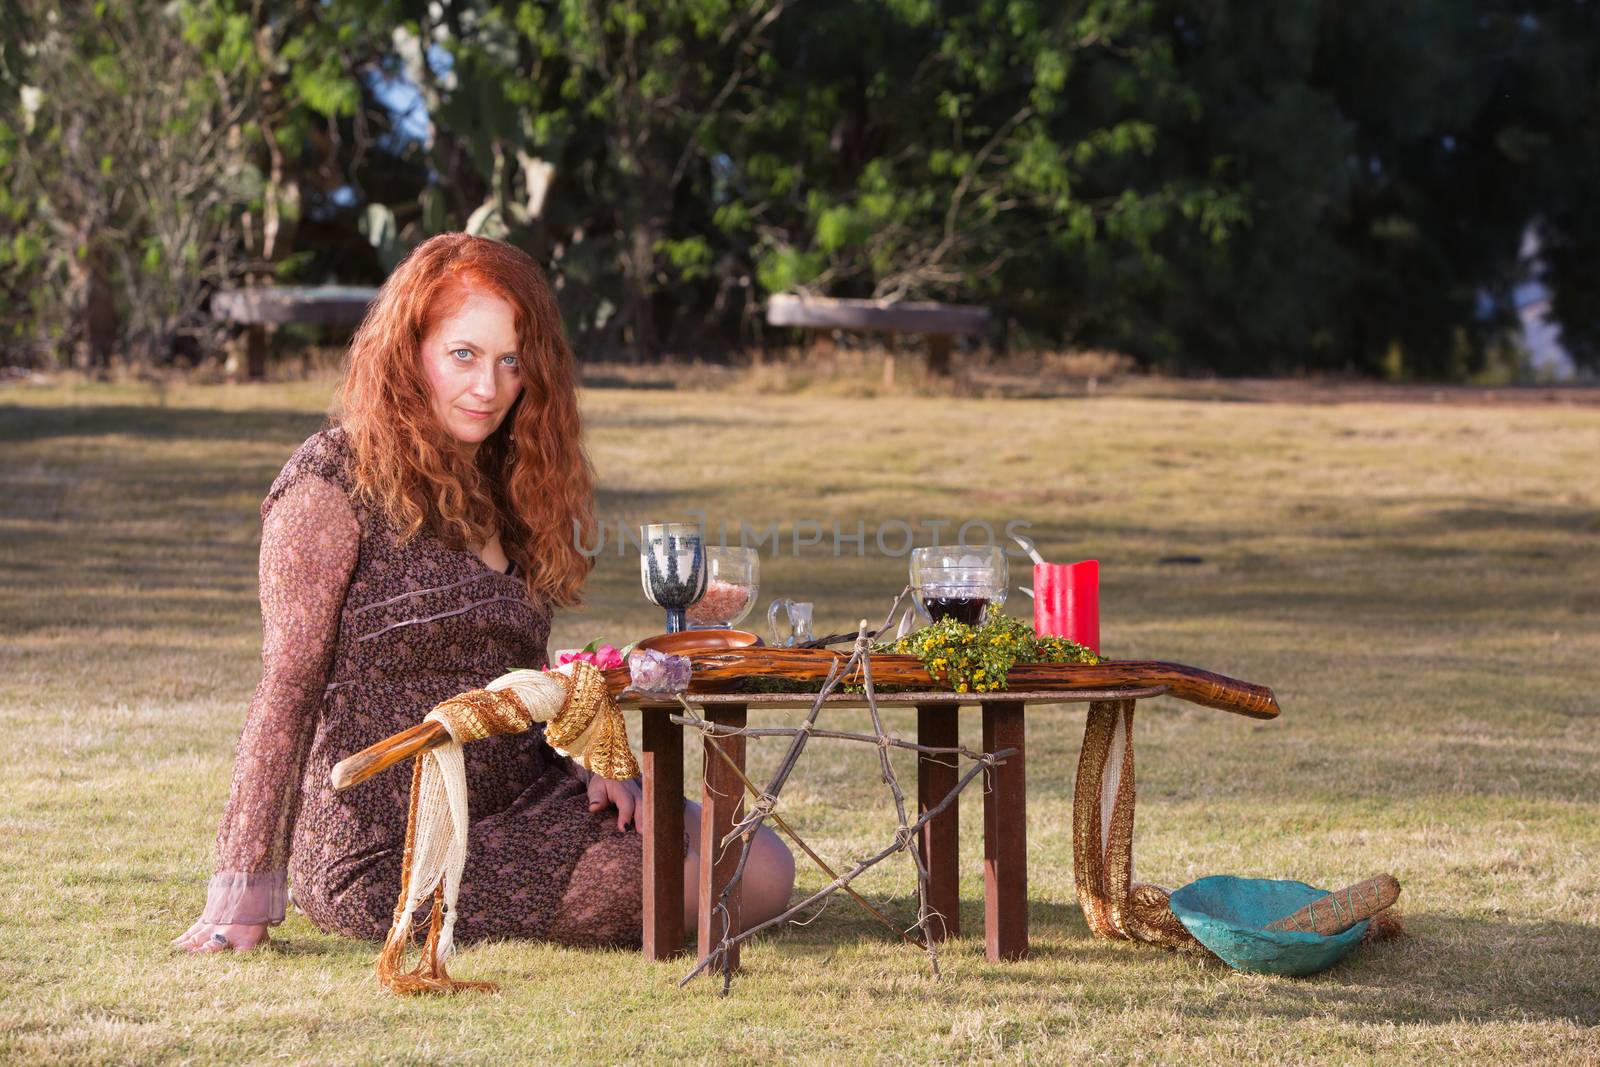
x: 1391, y: 159
x: 783, y: 269
x: 691, y: 258
x: 326, y: 88
x: 121, y: 189
x: 1226, y: 186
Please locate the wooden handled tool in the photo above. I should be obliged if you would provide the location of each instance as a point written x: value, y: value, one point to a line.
x: 715, y: 671
x: 721, y: 669
x: 1342, y: 909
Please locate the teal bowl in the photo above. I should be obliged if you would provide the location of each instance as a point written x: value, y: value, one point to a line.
x: 1229, y: 915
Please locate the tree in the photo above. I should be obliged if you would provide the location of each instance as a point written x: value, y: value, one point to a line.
x: 1564, y: 72
x: 965, y: 150
x: 121, y: 195
x: 1207, y: 184
x: 1391, y: 158
x: 586, y: 125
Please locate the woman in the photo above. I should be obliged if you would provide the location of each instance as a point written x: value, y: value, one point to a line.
x: 413, y: 551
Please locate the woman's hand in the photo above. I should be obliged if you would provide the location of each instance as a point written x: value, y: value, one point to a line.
x: 626, y: 797
x: 235, y: 937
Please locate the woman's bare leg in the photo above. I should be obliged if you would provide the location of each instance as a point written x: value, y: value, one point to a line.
x: 768, y: 877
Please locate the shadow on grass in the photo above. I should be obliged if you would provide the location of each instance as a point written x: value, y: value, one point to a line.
x: 24, y: 423
x: 1445, y: 969
x: 1525, y: 519
x: 611, y: 502
x: 313, y: 945
x: 1403, y: 536
x: 1448, y: 970
x: 669, y: 421
x: 615, y: 381
x: 27, y: 423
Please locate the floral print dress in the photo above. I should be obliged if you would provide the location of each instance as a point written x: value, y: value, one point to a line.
x: 362, y: 636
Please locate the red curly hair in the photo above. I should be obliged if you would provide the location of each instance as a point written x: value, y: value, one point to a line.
x: 531, y: 480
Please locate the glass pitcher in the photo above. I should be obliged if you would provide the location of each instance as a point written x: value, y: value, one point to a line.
x: 799, y: 617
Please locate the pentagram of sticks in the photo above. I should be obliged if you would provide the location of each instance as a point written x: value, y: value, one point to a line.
x: 719, y: 956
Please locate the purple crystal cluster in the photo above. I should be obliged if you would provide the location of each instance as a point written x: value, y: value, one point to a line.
x: 656, y: 672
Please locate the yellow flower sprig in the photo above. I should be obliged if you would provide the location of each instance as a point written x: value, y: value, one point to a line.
x: 977, y: 659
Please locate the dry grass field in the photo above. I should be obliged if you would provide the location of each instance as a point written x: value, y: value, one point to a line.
x: 1417, y: 582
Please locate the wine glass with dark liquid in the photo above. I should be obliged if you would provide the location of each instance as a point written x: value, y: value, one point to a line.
x: 959, y: 582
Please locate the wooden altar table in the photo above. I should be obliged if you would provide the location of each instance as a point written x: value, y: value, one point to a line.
x: 1005, y: 833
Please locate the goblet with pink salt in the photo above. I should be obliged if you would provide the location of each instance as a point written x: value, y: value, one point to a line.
x: 731, y: 587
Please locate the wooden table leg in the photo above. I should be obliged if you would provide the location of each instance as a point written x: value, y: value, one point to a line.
x: 938, y: 725
x: 1005, y: 836
x: 661, y: 823
x: 722, y: 805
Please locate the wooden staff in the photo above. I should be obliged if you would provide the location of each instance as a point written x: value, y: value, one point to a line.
x: 718, y: 670
x: 721, y: 670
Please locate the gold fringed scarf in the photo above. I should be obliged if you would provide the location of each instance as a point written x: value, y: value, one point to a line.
x: 581, y: 721
x: 1114, y: 905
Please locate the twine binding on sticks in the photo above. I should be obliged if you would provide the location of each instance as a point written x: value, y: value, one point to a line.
x: 581, y: 720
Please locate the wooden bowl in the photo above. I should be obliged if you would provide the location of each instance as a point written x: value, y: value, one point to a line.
x: 685, y: 641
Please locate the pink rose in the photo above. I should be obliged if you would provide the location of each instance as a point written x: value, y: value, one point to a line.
x: 604, y: 656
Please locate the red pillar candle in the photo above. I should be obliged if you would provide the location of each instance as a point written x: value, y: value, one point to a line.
x: 1066, y: 601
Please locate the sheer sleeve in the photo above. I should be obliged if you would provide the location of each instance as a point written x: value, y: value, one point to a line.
x: 309, y: 542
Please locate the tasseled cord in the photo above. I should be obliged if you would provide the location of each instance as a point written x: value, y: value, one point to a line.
x: 582, y: 721
x: 429, y: 975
